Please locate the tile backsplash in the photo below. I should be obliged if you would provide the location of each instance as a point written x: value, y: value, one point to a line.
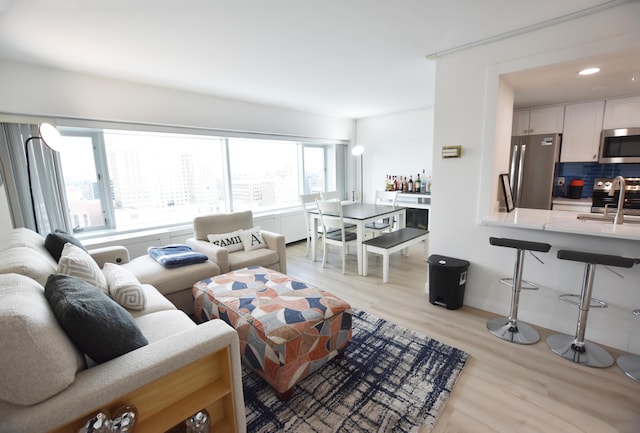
x: 588, y: 171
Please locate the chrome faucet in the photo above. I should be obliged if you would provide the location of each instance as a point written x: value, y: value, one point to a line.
x: 618, y: 182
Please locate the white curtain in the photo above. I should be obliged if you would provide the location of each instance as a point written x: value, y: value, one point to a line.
x: 43, y: 170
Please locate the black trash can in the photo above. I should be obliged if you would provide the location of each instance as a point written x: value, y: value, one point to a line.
x: 447, y: 280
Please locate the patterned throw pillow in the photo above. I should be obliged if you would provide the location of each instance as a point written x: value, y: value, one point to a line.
x: 252, y: 239
x: 76, y: 262
x: 124, y: 287
x: 230, y: 241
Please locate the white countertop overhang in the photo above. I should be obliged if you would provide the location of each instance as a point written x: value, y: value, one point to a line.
x: 561, y: 222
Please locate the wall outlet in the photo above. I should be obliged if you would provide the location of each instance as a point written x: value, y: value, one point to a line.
x: 560, y: 181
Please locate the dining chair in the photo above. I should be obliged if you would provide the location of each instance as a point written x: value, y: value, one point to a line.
x: 389, y: 198
x: 331, y: 217
x: 335, y: 196
x: 308, y: 202
x: 330, y: 195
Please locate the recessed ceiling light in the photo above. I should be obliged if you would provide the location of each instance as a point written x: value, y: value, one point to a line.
x: 589, y: 71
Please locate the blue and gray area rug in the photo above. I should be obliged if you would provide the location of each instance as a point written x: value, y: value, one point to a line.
x: 391, y: 379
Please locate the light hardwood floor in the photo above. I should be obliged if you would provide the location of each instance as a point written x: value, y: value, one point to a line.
x: 504, y: 387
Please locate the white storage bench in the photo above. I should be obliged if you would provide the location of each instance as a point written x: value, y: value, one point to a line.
x: 389, y: 243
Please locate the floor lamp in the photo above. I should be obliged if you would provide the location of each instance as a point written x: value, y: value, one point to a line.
x: 51, y: 137
x: 358, y: 151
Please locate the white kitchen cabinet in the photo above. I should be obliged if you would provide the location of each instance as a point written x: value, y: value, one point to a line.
x: 622, y: 113
x: 538, y: 121
x: 582, y: 130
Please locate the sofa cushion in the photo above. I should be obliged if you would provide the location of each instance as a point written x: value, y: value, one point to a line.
x: 38, y: 360
x: 159, y: 325
x: 231, y: 241
x: 27, y: 261
x: 23, y: 237
x: 262, y: 257
x: 124, y: 287
x: 54, y: 243
x: 76, y: 262
x: 95, y: 323
x: 252, y: 239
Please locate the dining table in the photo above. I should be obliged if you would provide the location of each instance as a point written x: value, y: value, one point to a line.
x: 360, y: 214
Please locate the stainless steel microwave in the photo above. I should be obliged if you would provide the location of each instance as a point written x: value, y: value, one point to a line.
x: 620, y: 145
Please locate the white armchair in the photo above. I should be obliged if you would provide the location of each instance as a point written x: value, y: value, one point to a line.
x: 270, y: 255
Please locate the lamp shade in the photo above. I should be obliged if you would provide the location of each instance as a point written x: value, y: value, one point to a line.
x: 50, y: 135
x: 357, y: 150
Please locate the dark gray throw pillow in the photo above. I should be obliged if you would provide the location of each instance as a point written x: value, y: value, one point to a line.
x: 54, y: 243
x: 95, y: 323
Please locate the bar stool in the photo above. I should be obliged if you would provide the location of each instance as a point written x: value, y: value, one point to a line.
x: 630, y: 364
x: 575, y: 348
x: 509, y: 328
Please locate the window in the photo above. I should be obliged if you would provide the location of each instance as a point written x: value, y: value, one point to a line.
x: 128, y: 180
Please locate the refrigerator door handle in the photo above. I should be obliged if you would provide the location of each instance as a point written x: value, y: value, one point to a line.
x: 512, y: 172
x: 523, y: 149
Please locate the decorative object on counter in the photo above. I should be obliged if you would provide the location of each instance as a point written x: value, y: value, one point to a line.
x: 199, y: 422
x: 509, y: 328
x: 506, y: 191
x: 576, y: 348
x: 122, y: 421
x: 98, y: 423
x: 575, y: 188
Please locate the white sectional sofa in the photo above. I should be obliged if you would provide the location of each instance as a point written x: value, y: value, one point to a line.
x: 48, y: 384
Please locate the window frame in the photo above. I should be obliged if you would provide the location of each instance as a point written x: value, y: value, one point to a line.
x: 334, y: 161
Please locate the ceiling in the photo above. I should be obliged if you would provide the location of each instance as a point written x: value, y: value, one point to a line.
x: 355, y: 58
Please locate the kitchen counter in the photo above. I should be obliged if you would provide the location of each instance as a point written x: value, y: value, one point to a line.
x: 562, y: 222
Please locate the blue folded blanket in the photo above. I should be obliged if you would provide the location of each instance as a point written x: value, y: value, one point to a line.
x: 173, y: 256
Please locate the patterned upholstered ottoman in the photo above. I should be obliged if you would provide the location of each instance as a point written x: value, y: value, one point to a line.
x: 288, y: 329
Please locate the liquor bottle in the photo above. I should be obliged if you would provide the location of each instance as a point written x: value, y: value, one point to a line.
x: 417, y: 185
x: 429, y: 185
x: 395, y: 183
x: 410, y: 184
x: 405, y: 184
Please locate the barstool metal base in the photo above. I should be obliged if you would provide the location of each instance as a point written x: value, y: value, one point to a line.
x: 630, y: 364
x: 592, y: 355
x: 522, y: 334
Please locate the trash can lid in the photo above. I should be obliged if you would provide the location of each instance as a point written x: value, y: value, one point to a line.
x: 445, y: 261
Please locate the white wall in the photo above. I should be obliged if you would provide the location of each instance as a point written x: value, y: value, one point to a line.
x: 473, y: 109
x: 396, y: 144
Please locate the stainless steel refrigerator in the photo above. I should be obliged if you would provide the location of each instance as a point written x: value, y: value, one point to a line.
x: 532, y: 167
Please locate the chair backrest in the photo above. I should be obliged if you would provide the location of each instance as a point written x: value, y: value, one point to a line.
x: 387, y: 197
x: 330, y: 195
x: 330, y: 214
x: 221, y: 223
x: 308, y: 202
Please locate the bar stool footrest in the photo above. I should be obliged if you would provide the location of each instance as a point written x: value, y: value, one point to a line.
x: 522, y: 334
x: 525, y: 285
x: 590, y: 354
x: 575, y: 300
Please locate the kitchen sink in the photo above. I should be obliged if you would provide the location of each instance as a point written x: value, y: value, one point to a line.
x: 632, y: 219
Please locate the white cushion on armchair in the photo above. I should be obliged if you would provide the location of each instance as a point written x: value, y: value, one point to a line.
x: 273, y: 256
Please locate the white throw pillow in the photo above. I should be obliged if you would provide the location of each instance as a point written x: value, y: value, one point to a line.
x: 252, y: 239
x: 124, y: 287
x: 76, y: 262
x: 230, y: 241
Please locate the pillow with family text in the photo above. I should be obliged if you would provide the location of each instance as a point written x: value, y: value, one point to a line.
x: 230, y: 241
x: 252, y: 239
